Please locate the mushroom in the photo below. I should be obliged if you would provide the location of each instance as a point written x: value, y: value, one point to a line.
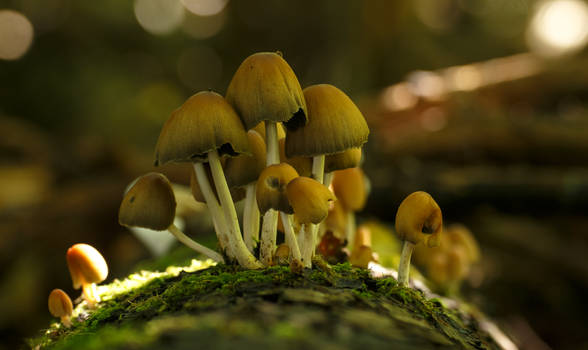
x: 335, y: 124
x: 86, y: 267
x: 150, y: 203
x: 60, y: 305
x: 265, y: 89
x: 243, y: 171
x: 350, y: 189
x: 204, y: 129
x: 350, y: 158
x: 310, y: 201
x: 418, y: 219
x: 362, y: 253
x: 271, y: 194
x: 282, y: 255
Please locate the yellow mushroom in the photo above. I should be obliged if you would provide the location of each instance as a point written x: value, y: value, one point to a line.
x: 60, y: 305
x: 86, y: 267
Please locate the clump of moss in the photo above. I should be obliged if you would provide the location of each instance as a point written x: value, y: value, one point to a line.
x: 222, y: 305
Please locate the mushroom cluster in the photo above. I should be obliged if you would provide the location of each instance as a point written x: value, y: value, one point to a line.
x: 267, y: 141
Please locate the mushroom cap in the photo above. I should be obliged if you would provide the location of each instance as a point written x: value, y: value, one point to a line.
x: 343, y: 160
x: 245, y: 169
x: 271, y: 188
x: 460, y: 235
x: 336, y: 220
x: 335, y: 124
x: 204, y: 123
x: 303, y: 165
x: 361, y: 257
x: 458, y: 263
x: 419, y: 219
x: 60, y: 303
x: 237, y: 193
x: 86, y: 265
x: 264, y: 87
x: 349, y: 187
x: 149, y: 203
x: 282, y: 254
x: 310, y: 199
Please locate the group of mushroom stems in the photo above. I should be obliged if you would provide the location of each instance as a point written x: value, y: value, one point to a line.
x: 293, y: 156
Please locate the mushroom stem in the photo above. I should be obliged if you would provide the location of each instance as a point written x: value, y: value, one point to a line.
x: 269, y: 231
x: 350, y: 229
x: 250, y: 218
x: 214, y: 208
x: 66, y: 321
x: 291, y: 240
x: 309, y: 244
x: 244, y: 256
x: 318, y: 168
x: 328, y: 179
x: 271, y: 141
x: 404, y: 266
x: 174, y: 230
x: 90, y: 294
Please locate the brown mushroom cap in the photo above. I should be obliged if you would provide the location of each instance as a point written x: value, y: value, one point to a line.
x: 310, y: 199
x: 282, y: 254
x: 336, y: 220
x: 303, y: 165
x: 205, y: 122
x: 86, y: 265
x: 60, y: 304
x: 419, y: 219
x: 150, y: 203
x: 349, y: 187
x: 264, y: 87
x: 460, y: 235
x: 343, y: 160
x: 245, y: 169
x: 271, y: 188
x: 335, y: 124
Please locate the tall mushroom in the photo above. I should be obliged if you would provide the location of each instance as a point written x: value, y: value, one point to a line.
x: 86, y: 267
x: 150, y: 203
x: 60, y: 305
x: 418, y: 219
x: 265, y: 89
x: 204, y: 129
x: 349, y: 187
x: 271, y: 195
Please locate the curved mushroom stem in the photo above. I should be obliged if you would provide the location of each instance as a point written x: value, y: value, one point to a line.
x: 90, y: 294
x: 350, y: 229
x: 269, y: 228
x: 244, y: 256
x: 174, y: 230
x: 291, y: 240
x: 250, y: 218
x: 404, y: 266
x: 66, y: 321
x: 328, y: 179
x: 216, y: 213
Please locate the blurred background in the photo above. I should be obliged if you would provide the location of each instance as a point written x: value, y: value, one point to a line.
x: 482, y: 103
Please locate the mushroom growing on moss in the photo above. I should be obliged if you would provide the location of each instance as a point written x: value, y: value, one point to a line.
x: 418, y: 219
x: 349, y: 187
x: 60, y: 305
x: 151, y: 204
x: 86, y: 267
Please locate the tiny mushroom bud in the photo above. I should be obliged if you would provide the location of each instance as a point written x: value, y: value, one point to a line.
x: 282, y: 254
x: 60, y: 305
x: 418, y: 219
x: 86, y: 267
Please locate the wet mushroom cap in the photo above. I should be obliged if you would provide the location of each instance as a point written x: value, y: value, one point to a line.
x: 204, y: 123
x: 245, y: 169
x: 265, y: 87
x: 271, y: 188
x: 86, y: 265
x: 343, y: 160
x: 335, y: 124
x: 149, y: 203
x: 349, y: 187
x: 310, y: 199
x: 419, y: 219
x: 59, y: 303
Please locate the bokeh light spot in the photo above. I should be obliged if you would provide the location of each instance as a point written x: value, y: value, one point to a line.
x: 159, y: 16
x: 16, y: 35
x: 205, y: 7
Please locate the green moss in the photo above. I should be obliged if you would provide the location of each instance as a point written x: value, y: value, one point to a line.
x: 227, y: 305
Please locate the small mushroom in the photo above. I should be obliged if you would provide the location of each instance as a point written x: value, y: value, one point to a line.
x: 86, y: 267
x: 60, y: 305
x: 350, y: 188
x: 271, y: 195
x: 282, y: 255
x: 349, y: 158
x: 310, y: 201
x: 150, y: 203
x: 418, y: 219
x: 362, y: 253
